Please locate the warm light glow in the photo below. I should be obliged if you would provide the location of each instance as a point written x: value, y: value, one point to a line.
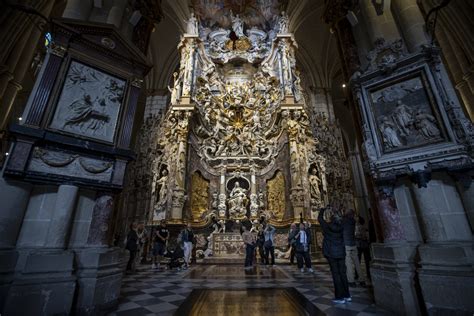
x: 20, y: 118
x: 343, y: 85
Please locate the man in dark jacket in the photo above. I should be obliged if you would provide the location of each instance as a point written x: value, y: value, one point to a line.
x: 334, y: 251
x: 352, y: 261
x: 132, y: 246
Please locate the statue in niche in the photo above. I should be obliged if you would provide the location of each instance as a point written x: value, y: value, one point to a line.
x: 162, y: 184
x: 283, y: 23
x: 261, y: 200
x: 389, y: 133
x: 314, y: 183
x: 426, y: 125
x: 238, y: 201
x: 215, y: 202
x: 176, y: 90
x: 192, y: 25
x: 237, y: 24
x: 403, y: 117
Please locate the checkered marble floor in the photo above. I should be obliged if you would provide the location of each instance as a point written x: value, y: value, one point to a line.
x: 152, y: 292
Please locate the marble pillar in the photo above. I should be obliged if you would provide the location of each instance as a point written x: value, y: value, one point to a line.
x: 99, y: 273
x: 446, y: 274
x: 393, y: 267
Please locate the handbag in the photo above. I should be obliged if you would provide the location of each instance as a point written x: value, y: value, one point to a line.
x: 268, y: 243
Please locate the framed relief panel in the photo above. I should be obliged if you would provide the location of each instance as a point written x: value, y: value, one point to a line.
x: 405, y: 114
x: 89, y: 103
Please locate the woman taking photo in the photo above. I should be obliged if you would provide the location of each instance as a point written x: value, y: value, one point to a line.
x: 335, y: 252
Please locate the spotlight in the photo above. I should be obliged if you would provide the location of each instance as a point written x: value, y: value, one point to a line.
x: 20, y: 119
x: 343, y: 85
x: 6, y: 154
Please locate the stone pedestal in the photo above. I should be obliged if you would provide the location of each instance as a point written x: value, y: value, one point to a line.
x: 14, y: 196
x: 447, y: 278
x: 446, y: 274
x: 393, y: 277
x: 45, y: 285
x: 99, y: 279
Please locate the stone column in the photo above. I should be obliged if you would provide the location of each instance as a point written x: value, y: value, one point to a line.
x: 441, y: 210
x: 360, y: 187
x: 24, y: 63
x: 379, y: 20
x: 446, y: 258
x: 179, y: 188
x: 78, y: 9
x: 412, y: 24
x: 222, y: 194
x: 393, y: 269
x: 62, y: 215
x: 116, y: 13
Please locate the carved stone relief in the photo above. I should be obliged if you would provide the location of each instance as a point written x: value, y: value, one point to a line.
x: 89, y: 103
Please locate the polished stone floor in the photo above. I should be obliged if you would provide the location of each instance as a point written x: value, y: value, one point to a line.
x: 231, y: 290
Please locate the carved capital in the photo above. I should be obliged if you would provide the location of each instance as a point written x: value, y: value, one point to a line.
x: 57, y: 50
x: 421, y: 178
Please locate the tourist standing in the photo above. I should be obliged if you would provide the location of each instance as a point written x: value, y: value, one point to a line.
x: 249, y: 241
x: 302, y: 240
x: 363, y: 243
x: 132, y: 246
x: 142, y: 239
x: 352, y: 260
x: 260, y: 243
x: 159, y: 244
x: 291, y: 242
x: 187, y: 237
x: 269, y: 244
x: 335, y: 252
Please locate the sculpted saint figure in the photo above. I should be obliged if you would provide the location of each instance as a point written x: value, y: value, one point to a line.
x: 283, y: 22
x: 390, y: 137
x: 403, y: 117
x: 426, y: 125
x: 237, y: 25
x: 192, y: 25
x: 163, y: 185
x: 314, y: 185
x: 238, y: 200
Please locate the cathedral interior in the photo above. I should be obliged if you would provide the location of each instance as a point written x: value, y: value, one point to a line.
x: 233, y: 115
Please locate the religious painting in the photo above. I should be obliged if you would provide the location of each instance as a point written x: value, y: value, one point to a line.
x: 199, y: 196
x: 89, y: 103
x: 405, y: 114
x: 276, y: 196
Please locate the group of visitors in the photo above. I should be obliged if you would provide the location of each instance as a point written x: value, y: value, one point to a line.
x: 160, y: 237
x: 264, y: 241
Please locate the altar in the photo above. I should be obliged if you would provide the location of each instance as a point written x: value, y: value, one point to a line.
x: 227, y: 248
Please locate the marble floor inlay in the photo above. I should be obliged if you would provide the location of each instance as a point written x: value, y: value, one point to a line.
x: 166, y: 293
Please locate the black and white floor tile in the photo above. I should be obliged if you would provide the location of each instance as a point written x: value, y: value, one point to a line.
x: 161, y: 292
